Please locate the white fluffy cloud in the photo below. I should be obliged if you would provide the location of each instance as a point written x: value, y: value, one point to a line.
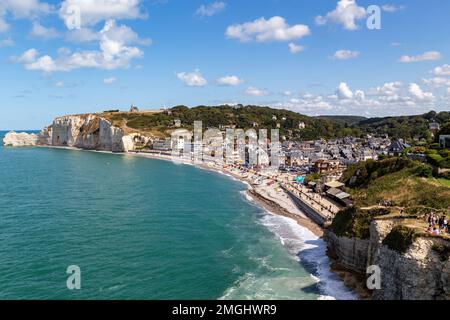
x: 344, y: 92
x: 391, y: 8
x: 82, y: 35
x: 21, y: 9
x: 24, y: 8
x: 109, y: 80
x: 8, y: 42
x: 208, y: 10
x: 114, y: 53
x: 426, y: 56
x: 28, y: 56
x: 94, y: 11
x: 306, y: 103
x: 392, y: 98
x: 42, y: 32
x: 437, y: 82
x: 3, y: 25
x: 192, y: 79
x: 347, y: 13
x: 416, y: 92
x: 295, y: 48
x: 262, y: 30
x: 346, y: 54
x: 229, y: 81
x: 255, y: 92
x: 442, y: 70
x: 387, y: 89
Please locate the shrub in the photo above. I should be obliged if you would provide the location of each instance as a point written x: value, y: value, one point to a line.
x: 400, y: 239
x: 352, y: 223
x: 424, y: 171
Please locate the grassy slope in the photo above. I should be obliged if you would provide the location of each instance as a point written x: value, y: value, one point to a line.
x: 394, y: 180
x: 404, y: 189
x: 444, y: 182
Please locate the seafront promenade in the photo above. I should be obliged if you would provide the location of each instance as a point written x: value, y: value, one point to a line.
x: 285, y: 191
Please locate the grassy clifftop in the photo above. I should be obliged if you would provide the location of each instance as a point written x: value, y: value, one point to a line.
x: 400, y: 181
x: 394, y: 189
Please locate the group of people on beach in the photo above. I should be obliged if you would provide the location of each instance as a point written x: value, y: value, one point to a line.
x: 437, y: 224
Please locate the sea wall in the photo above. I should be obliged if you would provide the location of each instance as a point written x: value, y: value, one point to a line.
x: 420, y: 273
x: 307, y: 209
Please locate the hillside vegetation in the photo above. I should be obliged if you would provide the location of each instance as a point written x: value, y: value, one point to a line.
x: 244, y: 117
x: 344, y: 120
x: 400, y: 181
x: 394, y: 188
x: 406, y: 127
x: 161, y: 123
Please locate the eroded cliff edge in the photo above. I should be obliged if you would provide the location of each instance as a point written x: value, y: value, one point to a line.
x: 411, y: 269
x: 90, y: 132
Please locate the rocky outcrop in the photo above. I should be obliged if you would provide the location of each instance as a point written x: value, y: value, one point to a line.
x: 45, y: 136
x: 422, y: 272
x: 14, y: 139
x: 351, y: 252
x: 89, y: 132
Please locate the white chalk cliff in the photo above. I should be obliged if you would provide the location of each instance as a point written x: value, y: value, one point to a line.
x: 21, y: 139
x: 90, y: 132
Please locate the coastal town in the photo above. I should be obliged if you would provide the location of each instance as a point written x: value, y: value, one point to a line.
x: 370, y: 197
x: 253, y: 153
x: 306, y: 180
x: 304, y: 183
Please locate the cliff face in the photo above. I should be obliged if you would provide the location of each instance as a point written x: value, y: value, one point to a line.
x: 90, y: 132
x: 421, y: 273
x: 21, y: 139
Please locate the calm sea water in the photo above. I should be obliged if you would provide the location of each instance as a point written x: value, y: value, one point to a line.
x: 145, y: 229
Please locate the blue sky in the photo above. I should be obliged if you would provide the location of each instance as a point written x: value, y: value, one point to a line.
x: 313, y: 57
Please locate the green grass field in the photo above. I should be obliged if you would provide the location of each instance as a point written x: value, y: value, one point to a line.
x: 445, y: 182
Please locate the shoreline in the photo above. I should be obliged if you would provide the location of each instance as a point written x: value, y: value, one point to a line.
x: 271, y: 206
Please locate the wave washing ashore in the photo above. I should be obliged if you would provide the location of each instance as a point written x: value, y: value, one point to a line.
x: 300, y: 236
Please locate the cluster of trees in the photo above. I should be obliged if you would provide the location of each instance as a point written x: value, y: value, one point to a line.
x: 244, y: 117
x: 405, y: 127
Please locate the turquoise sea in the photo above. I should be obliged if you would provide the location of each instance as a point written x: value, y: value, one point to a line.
x: 146, y: 229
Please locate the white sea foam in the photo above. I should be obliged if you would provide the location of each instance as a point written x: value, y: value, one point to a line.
x: 310, y: 251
